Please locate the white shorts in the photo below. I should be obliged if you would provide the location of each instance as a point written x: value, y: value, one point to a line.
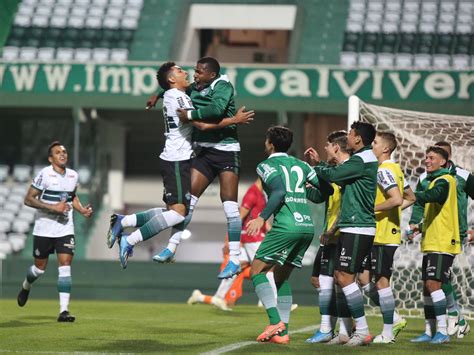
x: 247, y: 251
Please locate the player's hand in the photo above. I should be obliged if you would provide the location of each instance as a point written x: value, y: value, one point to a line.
x: 312, y: 156
x: 254, y: 226
x: 152, y: 102
x: 315, y: 282
x: 61, y: 207
x: 243, y: 117
x: 414, y: 230
x: 87, y: 211
x: 324, y: 238
x: 470, y: 236
x: 183, y: 115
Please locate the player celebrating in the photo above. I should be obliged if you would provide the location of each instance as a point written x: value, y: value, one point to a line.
x: 175, y: 163
x: 440, y: 242
x: 212, y: 95
x: 283, y: 248
x: 358, y: 177
x: 53, y: 193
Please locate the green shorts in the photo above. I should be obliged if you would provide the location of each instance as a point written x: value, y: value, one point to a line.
x: 284, y: 248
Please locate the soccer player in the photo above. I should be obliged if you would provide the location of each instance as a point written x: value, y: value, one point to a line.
x: 53, y: 194
x: 253, y: 203
x: 393, y: 194
x: 212, y: 95
x: 175, y: 164
x: 323, y: 267
x: 358, y: 179
x: 465, y: 189
x: 284, y: 178
x: 440, y: 242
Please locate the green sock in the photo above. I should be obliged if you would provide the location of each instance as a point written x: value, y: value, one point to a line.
x: 284, y: 302
x: 265, y: 294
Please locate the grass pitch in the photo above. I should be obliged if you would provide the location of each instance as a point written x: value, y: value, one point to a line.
x: 133, y: 327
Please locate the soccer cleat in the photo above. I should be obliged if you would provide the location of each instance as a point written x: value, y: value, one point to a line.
x: 399, y: 326
x: 165, y: 257
x: 423, y: 338
x: 339, y: 339
x: 221, y: 304
x: 464, y: 329
x: 280, y: 339
x: 195, y: 296
x: 64, y: 316
x: 115, y: 229
x: 358, y: 339
x: 453, y: 323
x: 23, y: 297
x: 270, y: 331
x: 440, y: 338
x: 382, y: 339
x: 293, y: 307
x: 126, y: 251
x: 320, y: 337
x: 230, y: 270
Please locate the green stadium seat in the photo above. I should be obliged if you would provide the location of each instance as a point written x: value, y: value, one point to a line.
x: 388, y: 43
x: 463, y: 44
x: 88, y: 34
x: 444, y: 44
x: 425, y: 43
x: 351, y: 42
x: 370, y: 42
x: 407, y: 43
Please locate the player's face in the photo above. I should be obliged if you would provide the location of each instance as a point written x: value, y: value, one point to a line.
x: 180, y: 76
x: 352, y: 139
x: 434, y: 162
x: 330, y: 149
x: 58, y: 156
x: 378, y: 146
x: 202, y: 74
x: 268, y: 147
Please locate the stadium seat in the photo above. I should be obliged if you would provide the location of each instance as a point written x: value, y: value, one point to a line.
x: 2, y: 200
x: 5, y: 249
x: 10, y: 53
x: 4, y: 225
x: 83, y: 54
x: 4, y: 190
x: 20, y: 226
x: 3, y: 172
x: 65, y: 54
x: 26, y: 216
x: 19, y: 189
x: 100, y: 54
x: 3, y: 236
x: 352, y: 42
x: 348, y: 59
x: 366, y: 60
x: 118, y: 55
x: 17, y: 241
x: 441, y: 61
x: 11, y: 206
x: 385, y: 60
x: 444, y: 44
x: 370, y: 42
x: 46, y: 53
x: 422, y: 61
x: 425, y: 43
x: 403, y: 60
x: 16, y: 198
x: 21, y: 172
x: 28, y: 53
x: 460, y: 61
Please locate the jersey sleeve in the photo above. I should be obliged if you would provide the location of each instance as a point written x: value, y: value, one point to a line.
x: 249, y: 199
x: 311, y: 176
x: 386, y: 179
x: 222, y: 95
x: 267, y: 172
x: 39, y: 181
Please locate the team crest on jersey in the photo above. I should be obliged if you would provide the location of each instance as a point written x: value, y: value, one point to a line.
x: 204, y: 92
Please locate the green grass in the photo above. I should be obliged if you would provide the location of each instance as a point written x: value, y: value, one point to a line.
x: 128, y: 327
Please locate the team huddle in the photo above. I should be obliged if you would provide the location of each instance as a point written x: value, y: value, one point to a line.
x: 364, y: 192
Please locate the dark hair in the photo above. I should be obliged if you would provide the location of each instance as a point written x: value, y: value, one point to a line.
x: 390, y: 139
x: 444, y: 144
x: 212, y: 64
x: 439, y: 151
x: 281, y: 138
x: 339, y: 138
x: 163, y: 74
x: 51, y: 146
x: 365, y: 130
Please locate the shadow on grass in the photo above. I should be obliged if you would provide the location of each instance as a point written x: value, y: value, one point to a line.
x: 147, y: 346
x: 19, y: 324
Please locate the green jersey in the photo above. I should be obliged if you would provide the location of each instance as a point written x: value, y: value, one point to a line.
x: 464, y: 188
x: 215, y: 102
x: 358, y: 179
x: 292, y: 214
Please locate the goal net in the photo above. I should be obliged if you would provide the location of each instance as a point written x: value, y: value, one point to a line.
x: 415, y: 131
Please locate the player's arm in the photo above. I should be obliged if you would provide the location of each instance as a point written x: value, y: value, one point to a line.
x: 276, y: 197
x: 320, y: 193
x: 351, y: 169
x: 241, y: 117
x: 394, y: 199
x: 86, y: 211
x: 153, y: 99
x: 221, y: 97
x: 32, y: 200
x: 408, y: 197
x: 418, y: 207
x: 438, y: 193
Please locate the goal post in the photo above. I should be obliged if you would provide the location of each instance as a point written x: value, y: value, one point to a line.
x: 415, y: 131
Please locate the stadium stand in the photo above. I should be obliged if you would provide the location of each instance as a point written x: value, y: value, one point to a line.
x: 409, y: 34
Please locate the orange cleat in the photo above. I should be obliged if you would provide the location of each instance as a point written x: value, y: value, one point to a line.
x: 270, y: 331
x: 280, y: 339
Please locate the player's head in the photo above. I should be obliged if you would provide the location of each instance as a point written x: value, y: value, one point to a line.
x: 171, y: 75
x: 278, y: 139
x: 361, y: 134
x: 57, y: 154
x: 436, y: 158
x: 446, y: 146
x: 206, y: 70
x: 336, y: 142
x: 384, y: 144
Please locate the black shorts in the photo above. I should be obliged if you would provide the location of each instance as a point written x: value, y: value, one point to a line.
x: 328, y: 259
x: 437, y: 267
x: 381, y: 260
x: 177, y: 181
x: 352, y: 249
x: 43, y: 246
x: 317, y: 262
x: 211, y: 162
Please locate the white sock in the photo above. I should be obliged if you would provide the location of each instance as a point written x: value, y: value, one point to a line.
x: 271, y: 280
x: 234, y: 252
x: 64, y: 297
x: 396, y: 317
x: 442, y: 326
x: 135, y: 238
x: 34, y: 274
x: 345, y: 326
x: 129, y: 221
x: 174, y: 240
x: 224, y: 287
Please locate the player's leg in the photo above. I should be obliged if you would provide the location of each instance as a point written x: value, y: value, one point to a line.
x: 284, y: 299
x: 65, y: 251
x: 42, y: 247
x: 457, y: 324
x: 354, y: 249
x: 229, y: 182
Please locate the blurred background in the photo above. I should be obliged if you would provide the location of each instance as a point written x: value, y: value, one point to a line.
x: 81, y: 71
